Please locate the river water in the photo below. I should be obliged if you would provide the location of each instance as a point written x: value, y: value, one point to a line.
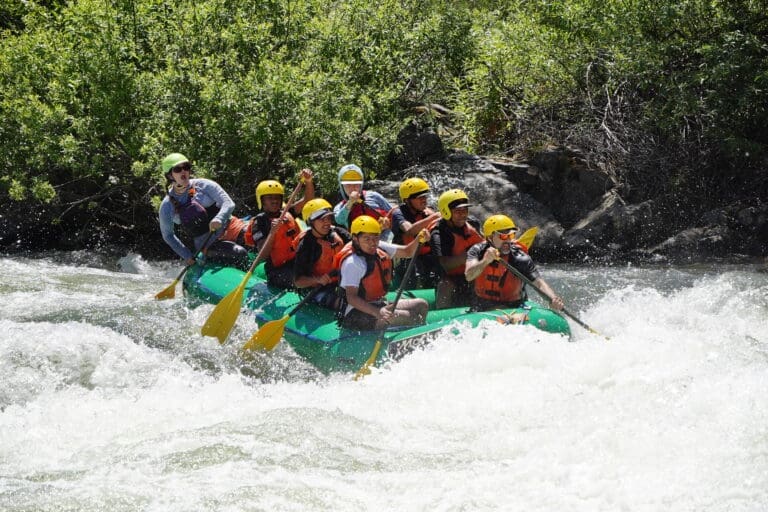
x: 110, y: 400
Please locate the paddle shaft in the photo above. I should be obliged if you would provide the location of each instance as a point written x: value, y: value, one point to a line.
x: 183, y: 271
x: 406, y: 276
x: 365, y: 369
x: 223, y: 317
x: 309, y: 296
x: 272, y: 232
x: 527, y: 281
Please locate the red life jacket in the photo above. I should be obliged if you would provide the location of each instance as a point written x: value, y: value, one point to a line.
x: 330, y: 246
x: 361, y: 208
x: 378, y: 272
x: 496, y: 283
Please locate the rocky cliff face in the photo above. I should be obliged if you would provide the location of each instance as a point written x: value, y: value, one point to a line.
x: 581, y: 213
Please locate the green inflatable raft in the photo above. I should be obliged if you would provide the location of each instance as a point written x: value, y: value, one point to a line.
x: 313, y: 332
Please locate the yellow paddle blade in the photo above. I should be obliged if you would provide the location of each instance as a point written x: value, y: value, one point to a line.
x: 169, y: 292
x: 222, y: 318
x: 366, y: 368
x: 268, y: 336
x: 527, y: 238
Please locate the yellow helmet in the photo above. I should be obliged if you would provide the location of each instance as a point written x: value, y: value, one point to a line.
x: 267, y: 187
x: 413, y: 187
x: 315, y: 209
x: 450, y: 199
x: 497, y: 223
x: 365, y: 224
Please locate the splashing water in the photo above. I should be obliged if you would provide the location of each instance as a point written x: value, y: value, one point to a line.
x: 113, y: 401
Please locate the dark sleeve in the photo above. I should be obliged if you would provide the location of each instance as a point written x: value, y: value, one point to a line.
x: 444, y: 240
x: 397, y: 220
x: 261, y: 227
x: 304, y: 260
x: 435, y: 242
x: 522, y: 262
x: 476, y: 252
x: 343, y: 233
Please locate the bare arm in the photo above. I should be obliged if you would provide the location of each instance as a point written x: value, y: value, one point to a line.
x: 554, y: 299
x: 409, y: 251
x: 311, y: 281
x: 306, y: 175
x: 475, y: 267
x: 425, y: 223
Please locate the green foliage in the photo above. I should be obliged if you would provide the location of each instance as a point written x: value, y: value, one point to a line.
x: 94, y: 93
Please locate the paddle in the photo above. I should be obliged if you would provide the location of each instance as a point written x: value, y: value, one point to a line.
x: 365, y: 369
x: 170, y: 291
x: 544, y: 295
x: 269, y: 335
x: 222, y: 318
x: 527, y: 237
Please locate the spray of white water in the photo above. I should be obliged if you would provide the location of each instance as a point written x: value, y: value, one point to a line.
x: 112, y: 401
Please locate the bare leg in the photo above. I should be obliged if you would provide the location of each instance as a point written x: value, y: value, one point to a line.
x: 412, y: 312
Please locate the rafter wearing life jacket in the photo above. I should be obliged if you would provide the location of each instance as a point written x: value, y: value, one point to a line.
x: 378, y: 272
x: 259, y: 229
x: 496, y: 283
x: 362, y: 208
x: 324, y: 249
x: 463, y: 238
x: 413, y: 217
x: 194, y: 217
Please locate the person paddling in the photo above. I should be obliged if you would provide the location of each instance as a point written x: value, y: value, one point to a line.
x: 316, y: 248
x: 199, y: 206
x: 494, y: 286
x: 365, y: 265
x: 280, y: 254
x: 450, y: 240
x: 407, y: 220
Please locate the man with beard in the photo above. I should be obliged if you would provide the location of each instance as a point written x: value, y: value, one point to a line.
x: 494, y: 285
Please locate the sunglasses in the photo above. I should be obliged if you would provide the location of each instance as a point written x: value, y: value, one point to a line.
x: 181, y: 167
x: 507, y: 235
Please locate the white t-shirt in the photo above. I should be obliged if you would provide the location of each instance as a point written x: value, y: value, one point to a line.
x: 353, y: 268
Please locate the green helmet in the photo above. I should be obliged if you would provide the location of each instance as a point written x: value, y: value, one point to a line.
x: 172, y: 161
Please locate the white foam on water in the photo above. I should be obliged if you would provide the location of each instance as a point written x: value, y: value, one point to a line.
x: 669, y: 414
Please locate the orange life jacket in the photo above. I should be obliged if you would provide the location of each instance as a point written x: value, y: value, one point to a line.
x: 330, y: 247
x: 282, y: 252
x: 461, y: 244
x: 233, y: 229
x: 496, y: 283
x: 378, y: 273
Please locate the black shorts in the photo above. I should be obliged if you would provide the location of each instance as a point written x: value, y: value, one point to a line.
x: 356, y: 320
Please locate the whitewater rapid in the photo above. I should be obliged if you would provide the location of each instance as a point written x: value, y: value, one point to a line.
x: 110, y: 400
